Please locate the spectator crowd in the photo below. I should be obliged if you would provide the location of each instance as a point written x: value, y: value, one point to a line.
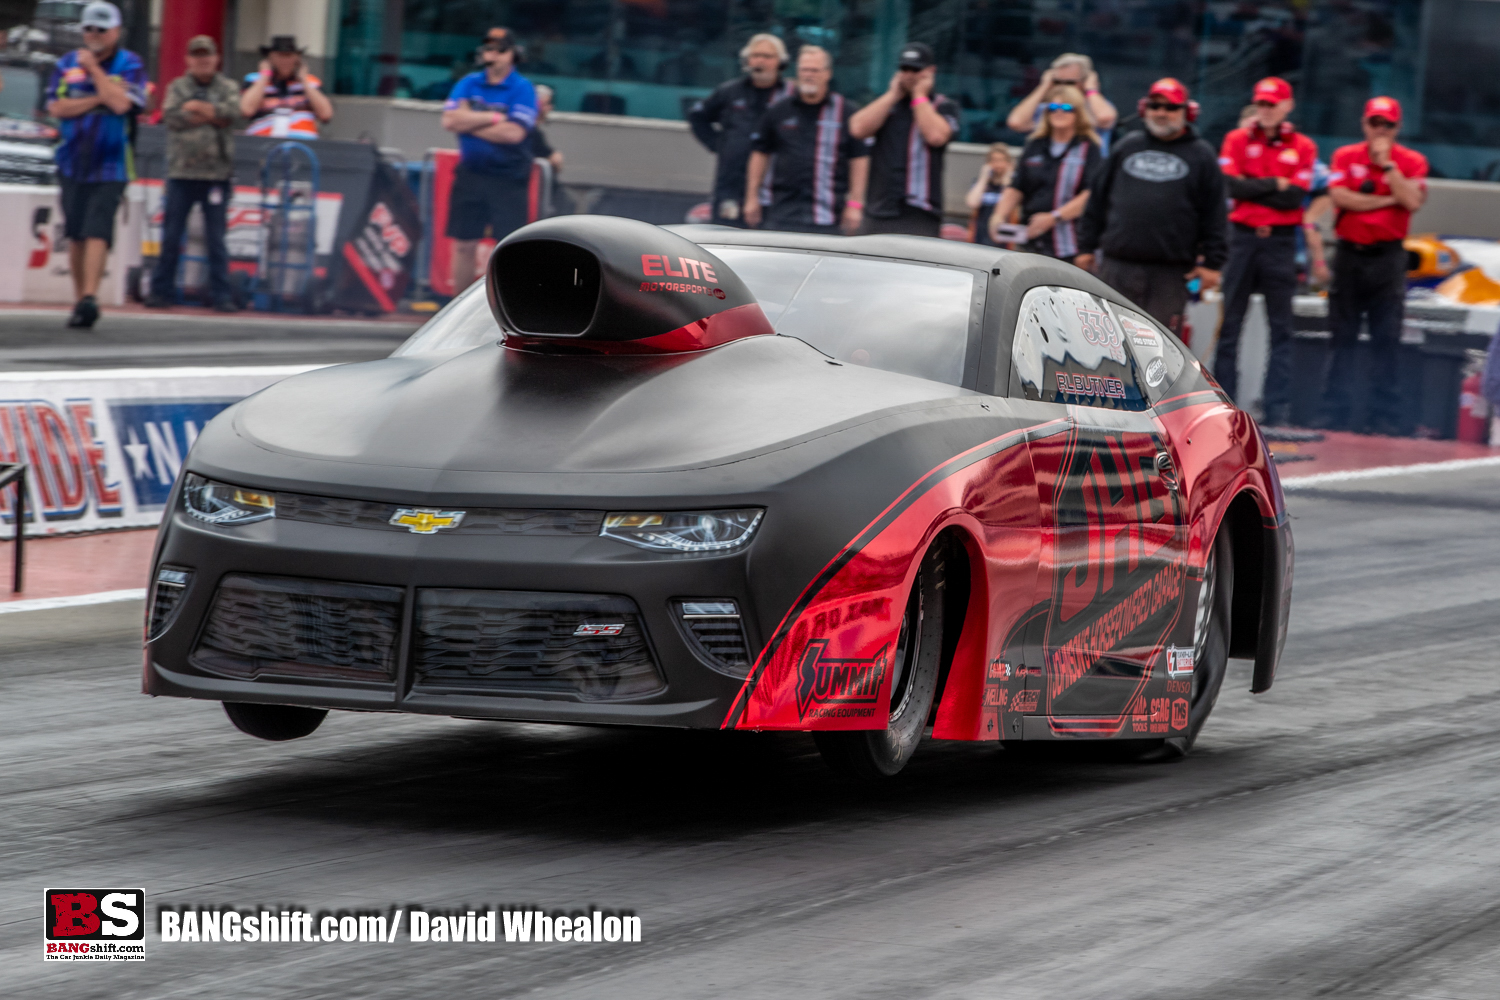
x: 1154, y: 210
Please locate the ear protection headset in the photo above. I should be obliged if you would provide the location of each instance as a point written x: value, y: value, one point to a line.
x: 1192, y: 108
x: 784, y: 58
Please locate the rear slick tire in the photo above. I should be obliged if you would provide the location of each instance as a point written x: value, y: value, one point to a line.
x: 1210, y: 644
x: 869, y: 756
x: 274, y: 722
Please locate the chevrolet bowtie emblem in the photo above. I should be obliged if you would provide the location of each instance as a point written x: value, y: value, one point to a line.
x: 426, y: 520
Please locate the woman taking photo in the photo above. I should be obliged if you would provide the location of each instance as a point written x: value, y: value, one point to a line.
x: 1051, y: 183
x: 994, y: 178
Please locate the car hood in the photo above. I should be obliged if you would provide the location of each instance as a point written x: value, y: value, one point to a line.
x: 495, y: 410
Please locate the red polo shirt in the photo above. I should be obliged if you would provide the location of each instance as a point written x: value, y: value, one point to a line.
x: 1248, y: 152
x: 1351, y: 168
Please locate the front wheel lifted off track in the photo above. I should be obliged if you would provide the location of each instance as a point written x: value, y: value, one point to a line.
x: 274, y: 722
x: 870, y: 755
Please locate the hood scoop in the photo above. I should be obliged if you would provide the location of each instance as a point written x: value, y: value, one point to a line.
x: 597, y: 284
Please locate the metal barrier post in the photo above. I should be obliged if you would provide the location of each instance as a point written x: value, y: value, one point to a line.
x: 15, y: 473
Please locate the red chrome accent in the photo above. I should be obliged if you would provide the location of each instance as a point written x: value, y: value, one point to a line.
x: 735, y: 323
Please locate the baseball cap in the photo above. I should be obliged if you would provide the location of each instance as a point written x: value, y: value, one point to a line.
x: 281, y: 43
x: 100, y: 14
x: 1272, y: 88
x: 202, y: 44
x: 1170, y: 88
x: 915, y: 55
x: 500, y: 39
x: 1383, y: 107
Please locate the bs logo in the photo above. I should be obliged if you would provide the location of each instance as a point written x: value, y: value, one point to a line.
x: 96, y: 914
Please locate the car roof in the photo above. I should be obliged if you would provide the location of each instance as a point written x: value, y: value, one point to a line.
x: 922, y: 248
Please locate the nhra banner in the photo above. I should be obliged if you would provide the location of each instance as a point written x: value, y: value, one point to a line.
x: 104, y: 447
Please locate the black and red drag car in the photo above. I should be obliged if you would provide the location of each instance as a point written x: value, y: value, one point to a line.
x: 873, y: 488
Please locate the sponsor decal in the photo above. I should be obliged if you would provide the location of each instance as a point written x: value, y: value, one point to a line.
x: 1254, y: 149
x: 1072, y: 659
x: 1151, y: 715
x: 838, y: 687
x: 1073, y: 384
x: 75, y: 74
x: 155, y: 436
x: 1155, y: 166
x: 998, y: 669
x: 1179, y: 661
x: 1025, y: 701
x: 1179, y: 687
x: 426, y: 520
x: 613, y: 628
x: 1156, y: 370
x: 1288, y: 156
x: 655, y: 265
x: 994, y: 697
x: 1358, y: 169
x: 66, y: 456
x: 1099, y: 330
x: 1180, y: 714
x: 675, y: 286
x: 1140, y: 336
x: 99, y: 925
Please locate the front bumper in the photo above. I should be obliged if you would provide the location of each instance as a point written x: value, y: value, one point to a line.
x: 694, y: 692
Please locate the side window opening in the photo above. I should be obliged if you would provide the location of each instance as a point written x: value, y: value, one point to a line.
x: 1070, y: 348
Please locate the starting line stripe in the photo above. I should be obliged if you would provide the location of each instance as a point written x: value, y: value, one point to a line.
x: 1383, y: 471
x: 78, y: 600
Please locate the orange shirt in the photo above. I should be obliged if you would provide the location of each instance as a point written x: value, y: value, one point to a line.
x: 1351, y: 168
x: 1248, y: 152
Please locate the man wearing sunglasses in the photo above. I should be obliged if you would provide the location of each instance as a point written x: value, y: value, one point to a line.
x: 1268, y: 169
x: 94, y: 92
x: 1375, y: 186
x: 1156, y: 210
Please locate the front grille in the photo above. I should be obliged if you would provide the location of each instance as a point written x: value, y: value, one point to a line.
x: 714, y: 631
x: 166, y: 599
x: 588, y: 646
x: 265, y: 626
x: 477, y: 520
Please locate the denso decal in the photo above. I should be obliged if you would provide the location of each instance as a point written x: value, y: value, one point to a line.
x: 155, y: 437
x: 841, y: 688
x: 655, y: 265
x: 1072, y: 384
x: 66, y: 456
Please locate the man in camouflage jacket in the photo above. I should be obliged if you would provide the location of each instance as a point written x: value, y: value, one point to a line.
x: 200, y: 111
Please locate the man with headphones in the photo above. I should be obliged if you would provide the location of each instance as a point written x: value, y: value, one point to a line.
x: 1268, y: 166
x: 1156, y: 210
x: 724, y: 120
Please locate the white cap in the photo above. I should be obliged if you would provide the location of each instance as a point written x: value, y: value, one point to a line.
x: 100, y: 14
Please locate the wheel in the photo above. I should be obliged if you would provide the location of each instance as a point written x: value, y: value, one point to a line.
x: 1210, y: 642
x: 870, y: 755
x: 274, y: 722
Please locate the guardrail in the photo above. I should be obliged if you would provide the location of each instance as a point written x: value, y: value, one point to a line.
x: 14, y: 473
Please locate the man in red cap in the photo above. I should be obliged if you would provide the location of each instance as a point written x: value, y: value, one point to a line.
x: 1156, y: 210
x: 1375, y: 185
x: 1268, y: 169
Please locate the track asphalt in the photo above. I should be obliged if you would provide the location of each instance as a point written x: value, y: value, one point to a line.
x: 1337, y: 835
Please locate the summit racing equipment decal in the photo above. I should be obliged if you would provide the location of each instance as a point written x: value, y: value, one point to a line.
x: 1073, y: 384
x: 838, y: 687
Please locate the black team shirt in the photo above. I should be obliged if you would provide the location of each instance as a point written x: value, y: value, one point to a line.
x: 904, y: 170
x: 811, y: 149
x: 736, y: 108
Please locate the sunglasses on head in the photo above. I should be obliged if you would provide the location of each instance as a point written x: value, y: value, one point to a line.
x: 1380, y: 123
x: 1162, y: 106
x: 1060, y: 106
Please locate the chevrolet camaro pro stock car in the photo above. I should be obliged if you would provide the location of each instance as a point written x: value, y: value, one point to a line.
x: 875, y: 488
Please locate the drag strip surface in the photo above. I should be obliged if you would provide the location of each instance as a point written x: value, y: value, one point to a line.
x: 1337, y: 835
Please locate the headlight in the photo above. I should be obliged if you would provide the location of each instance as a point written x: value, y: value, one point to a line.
x: 219, y: 503
x: 695, y: 531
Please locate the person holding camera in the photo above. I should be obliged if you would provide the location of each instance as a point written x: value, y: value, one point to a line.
x: 281, y: 98
x: 493, y: 111
x: 1375, y: 185
x: 200, y: 109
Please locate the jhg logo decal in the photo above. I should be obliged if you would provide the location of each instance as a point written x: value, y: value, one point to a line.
x: 95, y: 924
x: 827, y: 687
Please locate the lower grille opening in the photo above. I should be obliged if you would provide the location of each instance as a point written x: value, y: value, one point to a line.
x: 530, y: 643
x: 715, y: 632
x: 281, y: 627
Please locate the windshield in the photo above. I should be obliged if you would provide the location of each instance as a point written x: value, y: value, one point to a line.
x: 908, y: 318
x: 463, y: 323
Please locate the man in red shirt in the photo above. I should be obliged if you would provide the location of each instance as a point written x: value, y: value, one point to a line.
x: 1268, y: 168
x: 1375, y: 185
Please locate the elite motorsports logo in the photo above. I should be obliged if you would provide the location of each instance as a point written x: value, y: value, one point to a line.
x: 95, y: 925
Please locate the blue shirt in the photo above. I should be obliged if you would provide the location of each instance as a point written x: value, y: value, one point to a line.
x: 516, y: 99
x: 96, y: 146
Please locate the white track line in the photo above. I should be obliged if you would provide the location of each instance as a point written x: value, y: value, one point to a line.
x: 1381, y: 472
x: 78, y: 600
